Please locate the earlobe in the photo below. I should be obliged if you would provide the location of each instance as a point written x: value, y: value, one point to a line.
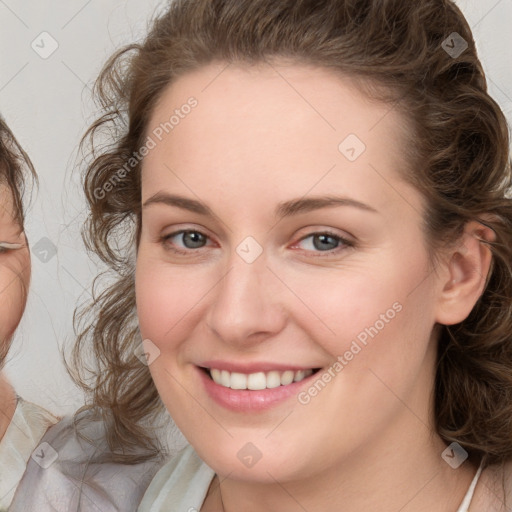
x: 468, y: 268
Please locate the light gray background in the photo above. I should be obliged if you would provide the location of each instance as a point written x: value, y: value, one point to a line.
x: 47, y: 104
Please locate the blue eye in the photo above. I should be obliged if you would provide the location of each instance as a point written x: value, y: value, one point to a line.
x: 190, y: 239
x: 324, y: 242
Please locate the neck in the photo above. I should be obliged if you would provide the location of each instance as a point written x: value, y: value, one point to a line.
x: 411, y: 478
x: 7, y: 405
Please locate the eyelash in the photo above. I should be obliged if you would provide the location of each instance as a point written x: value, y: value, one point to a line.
x: 164, y: 240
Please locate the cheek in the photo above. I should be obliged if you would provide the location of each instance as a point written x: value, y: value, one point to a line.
x: 378, y: 317
x: 12, y: 303
x: 168, y: 301
x: 337, y: 307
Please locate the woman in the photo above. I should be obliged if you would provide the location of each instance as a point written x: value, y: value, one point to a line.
x: 22, y: 424
x: 305, y: 204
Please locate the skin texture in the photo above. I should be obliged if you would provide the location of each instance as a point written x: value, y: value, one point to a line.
x: 260, y: 136
x: 14, y: 282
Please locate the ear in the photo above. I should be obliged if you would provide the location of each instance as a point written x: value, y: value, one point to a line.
x: 466, y: 271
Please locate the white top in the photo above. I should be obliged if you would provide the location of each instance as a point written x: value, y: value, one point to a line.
x: 80, y: 474
x: 182, y: 484
x: 464, y: 506
x: 27, y: 427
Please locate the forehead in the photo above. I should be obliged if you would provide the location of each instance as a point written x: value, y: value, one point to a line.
x: 287, y: 126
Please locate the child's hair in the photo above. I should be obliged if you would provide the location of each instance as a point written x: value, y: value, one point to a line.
x: 403, y: 53
x: 15, y: 167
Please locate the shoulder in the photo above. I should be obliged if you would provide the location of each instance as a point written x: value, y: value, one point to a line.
x: 36, y: 419
x: 70, y: 470
x: 180, y: 485
x: 27, y: 427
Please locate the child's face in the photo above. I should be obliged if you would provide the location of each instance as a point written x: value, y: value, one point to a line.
x: 14, y: 270
x: 363, y: 311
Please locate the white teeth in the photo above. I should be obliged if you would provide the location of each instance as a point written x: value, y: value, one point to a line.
x: 299, y: 376
x: 259, y: 380
x: 287, y: 377
x: 225, y: 379
x: 273, y: 380
x: 256, y: 381
x: 215, y: 374
x: 238, y: 381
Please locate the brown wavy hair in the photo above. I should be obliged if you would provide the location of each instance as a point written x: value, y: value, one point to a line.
x: 458, y: 153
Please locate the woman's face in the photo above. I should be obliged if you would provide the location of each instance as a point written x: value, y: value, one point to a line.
x: 303, y: 252
x: 14, y: 271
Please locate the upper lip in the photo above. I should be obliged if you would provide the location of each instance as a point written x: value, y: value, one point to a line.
x: 253, y: 367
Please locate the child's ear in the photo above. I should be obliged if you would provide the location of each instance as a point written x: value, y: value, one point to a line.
x: 465, y: 274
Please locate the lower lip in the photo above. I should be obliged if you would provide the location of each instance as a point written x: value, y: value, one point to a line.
x: 244, y: 400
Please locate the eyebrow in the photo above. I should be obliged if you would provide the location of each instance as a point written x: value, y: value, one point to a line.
x: 285, y: 209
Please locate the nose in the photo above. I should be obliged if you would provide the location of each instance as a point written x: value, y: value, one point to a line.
x: 246, y: 307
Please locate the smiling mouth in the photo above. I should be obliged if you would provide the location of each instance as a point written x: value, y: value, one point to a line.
x: 259, y: 380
